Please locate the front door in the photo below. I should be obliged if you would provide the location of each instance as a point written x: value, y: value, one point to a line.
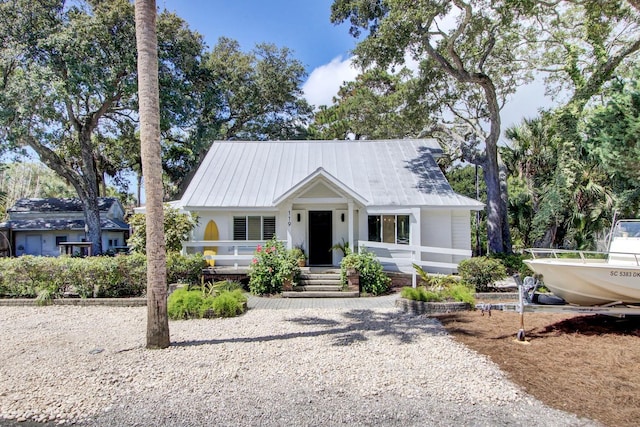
x: 34, y: 245
x: 320, y: 238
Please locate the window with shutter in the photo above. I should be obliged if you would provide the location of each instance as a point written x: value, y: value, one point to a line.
x: 268, y: 227
x: 239, y: 228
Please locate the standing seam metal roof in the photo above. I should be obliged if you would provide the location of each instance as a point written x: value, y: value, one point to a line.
x: 254, y: 174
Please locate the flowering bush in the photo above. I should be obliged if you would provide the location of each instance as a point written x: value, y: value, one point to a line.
x: 270, y: 267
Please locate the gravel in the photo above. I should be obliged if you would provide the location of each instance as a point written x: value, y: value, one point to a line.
x: 88, y: 366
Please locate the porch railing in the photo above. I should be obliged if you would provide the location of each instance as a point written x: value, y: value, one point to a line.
x: 240, y: 253
x: 404, y: 256
x: 231, y: 252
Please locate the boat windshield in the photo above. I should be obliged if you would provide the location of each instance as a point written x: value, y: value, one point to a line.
x: 627, y: 229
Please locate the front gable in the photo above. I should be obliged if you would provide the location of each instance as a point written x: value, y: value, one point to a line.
x: 320, y: 186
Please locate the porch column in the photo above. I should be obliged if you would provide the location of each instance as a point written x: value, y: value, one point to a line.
x: 289, y: 214
x: 350, y: 225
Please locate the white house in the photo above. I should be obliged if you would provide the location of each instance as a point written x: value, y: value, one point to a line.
x: 387, y: 196
x: 42, y: 226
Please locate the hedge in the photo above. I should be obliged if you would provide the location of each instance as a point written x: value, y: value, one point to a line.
x: 91, y: 277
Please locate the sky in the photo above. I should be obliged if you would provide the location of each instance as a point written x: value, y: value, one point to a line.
x: 304, y: 26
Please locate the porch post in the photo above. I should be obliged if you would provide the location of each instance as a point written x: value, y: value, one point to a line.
x: 289, y: 214
x: 350, y: 225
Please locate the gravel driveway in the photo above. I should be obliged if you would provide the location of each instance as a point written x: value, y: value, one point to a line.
x: 88, y: 365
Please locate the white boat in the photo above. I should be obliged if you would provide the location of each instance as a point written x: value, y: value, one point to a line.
x: 594, y: 278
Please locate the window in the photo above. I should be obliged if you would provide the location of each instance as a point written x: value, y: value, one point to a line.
x: 254, y: 227
x: 60, y: 239
x: 389, y: 229
x: 113, y: 242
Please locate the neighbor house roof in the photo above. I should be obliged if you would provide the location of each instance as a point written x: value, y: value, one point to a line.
x: 61, y: 224
x: 58, y: 205
x: 378, y: 173
x: 59, y: 214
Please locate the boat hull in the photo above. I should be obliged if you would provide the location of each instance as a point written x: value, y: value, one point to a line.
x: 589, y: 282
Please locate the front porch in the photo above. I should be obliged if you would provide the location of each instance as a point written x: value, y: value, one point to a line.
x: 397, y: 260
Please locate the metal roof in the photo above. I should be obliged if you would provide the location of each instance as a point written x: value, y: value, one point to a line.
x: 254, y: 174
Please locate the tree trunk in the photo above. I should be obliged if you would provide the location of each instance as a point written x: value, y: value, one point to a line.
x: 148, y: 95
x: 497, y: 222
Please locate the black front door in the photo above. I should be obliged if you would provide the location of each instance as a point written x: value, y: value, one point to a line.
x: 320, y: 240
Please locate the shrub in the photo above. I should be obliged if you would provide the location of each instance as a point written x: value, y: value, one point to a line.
x: 185, y: 268
x: 373, y: 280
x: 481, y: 272
x: 177, y: 228
x: 229, y: 303
x: 421, y: 293
x: 187, y: 303
x: 457, y: 292
x: 461, y: 293
x: 270, y: 267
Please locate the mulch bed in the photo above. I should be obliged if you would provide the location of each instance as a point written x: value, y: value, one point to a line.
x: 587, y: 365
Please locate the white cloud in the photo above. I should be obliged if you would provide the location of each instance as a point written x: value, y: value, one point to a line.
x: 323, y: 82
x: 525, y: 103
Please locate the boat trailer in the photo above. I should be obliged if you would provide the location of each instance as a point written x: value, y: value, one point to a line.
x: 529, y: 302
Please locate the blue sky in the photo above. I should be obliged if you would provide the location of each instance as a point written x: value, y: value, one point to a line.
x: 304, y: 27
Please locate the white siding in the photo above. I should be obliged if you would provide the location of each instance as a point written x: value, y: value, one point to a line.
x: 436, y: 232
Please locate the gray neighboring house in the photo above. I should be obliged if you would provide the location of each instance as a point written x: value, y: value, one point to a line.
x: 39, y: 226
x: 388, y: 196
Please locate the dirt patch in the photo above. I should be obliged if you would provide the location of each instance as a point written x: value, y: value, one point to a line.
x: 587, y: 365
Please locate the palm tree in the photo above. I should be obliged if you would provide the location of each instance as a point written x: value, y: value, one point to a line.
x: 149, y: 101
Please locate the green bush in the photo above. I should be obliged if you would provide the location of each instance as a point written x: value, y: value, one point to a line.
x: 187, y: 303
x: 461, y: 293
x: 373, y: 280
x: 481, y: 272
x: 421, y: 293
x: 270, y: 267
x: 185, y: 268
x: 229, y: 303
x: 457, y: 292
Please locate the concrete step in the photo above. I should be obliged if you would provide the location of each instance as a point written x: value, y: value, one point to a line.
x: 320, y: 294
x: 318, y: 288
x: 317, y: 276
x: 316, y: 282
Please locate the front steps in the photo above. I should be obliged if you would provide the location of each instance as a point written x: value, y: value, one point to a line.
x: 319, y: 285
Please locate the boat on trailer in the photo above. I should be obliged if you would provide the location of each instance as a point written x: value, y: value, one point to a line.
x: 587, y: 278
x: 582, y: 282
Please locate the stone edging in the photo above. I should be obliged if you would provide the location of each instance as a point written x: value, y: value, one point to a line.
x: 84, y: 302
x: 421, y: 307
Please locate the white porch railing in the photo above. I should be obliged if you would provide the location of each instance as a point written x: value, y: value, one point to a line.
x: 240, y: 253
x: 236, y: 252
x: 407, y: 255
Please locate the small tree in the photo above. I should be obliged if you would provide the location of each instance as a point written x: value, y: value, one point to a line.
x: 177, y: 228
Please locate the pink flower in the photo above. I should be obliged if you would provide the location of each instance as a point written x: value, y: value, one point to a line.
x: 255, y: 261
x: 267, y: 250
x: 273, y: 248
x: 259, y: 248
